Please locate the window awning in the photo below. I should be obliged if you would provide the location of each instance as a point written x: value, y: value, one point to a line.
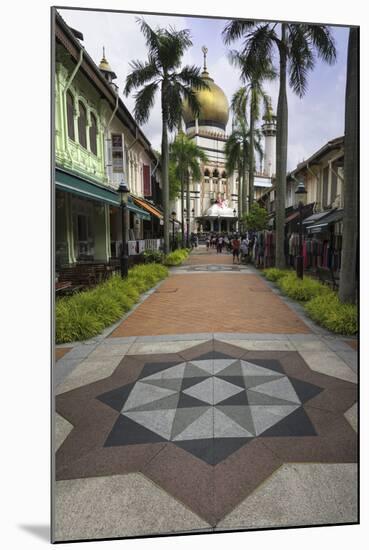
x: 71, y: 183
x: 332, y: 216
x: 292, y: 217
x: 65, y: 181
x: 148, y: 207
x: 132, y: 207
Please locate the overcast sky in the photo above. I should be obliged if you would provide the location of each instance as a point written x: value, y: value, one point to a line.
x: 313, y: 120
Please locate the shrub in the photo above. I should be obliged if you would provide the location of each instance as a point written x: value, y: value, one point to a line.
x: 274, y: 274
x: 86, y: 314
x: 153, y: 256
x: 176, y: 257
x: 301, y: 289
x: 328, y: 311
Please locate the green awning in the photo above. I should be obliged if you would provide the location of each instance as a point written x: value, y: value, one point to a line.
x: 71, y: 183
x: 140, y: 212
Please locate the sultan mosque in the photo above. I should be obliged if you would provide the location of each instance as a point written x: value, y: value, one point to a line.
x: 214, y: 199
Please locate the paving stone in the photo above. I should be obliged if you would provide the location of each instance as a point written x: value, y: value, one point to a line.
x: 60, y: 352
x: 118, y: 506
x: 350, y: 358
x: 139, y: 348
x: 336, y: 344
x: 278, y: 345
x: 81, y: 351
x: 299, y: 494
x: 88, y: 371
x: 183, y: 298
x: 329, y: 363
x: 352, y: 416
x: 113, y: 349
x: 63, y: 368
x: 62, y: 429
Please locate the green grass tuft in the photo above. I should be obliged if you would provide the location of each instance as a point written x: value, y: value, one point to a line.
x: 86, y: 314
x: 302, y: 290
x: 273, y: 274
x: 176, y: 257
x: 328, y: 311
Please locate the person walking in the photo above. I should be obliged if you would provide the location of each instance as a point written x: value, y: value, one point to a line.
x: 220, y: 244
x: 244, y: 248
x: 236, y: 244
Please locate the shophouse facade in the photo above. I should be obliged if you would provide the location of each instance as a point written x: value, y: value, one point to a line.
x: 97, y: 145
x: 322, y: 175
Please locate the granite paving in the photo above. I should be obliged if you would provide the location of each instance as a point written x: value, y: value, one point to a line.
x: 213, y: 406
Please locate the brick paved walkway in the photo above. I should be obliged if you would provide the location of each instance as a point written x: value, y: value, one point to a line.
x: 211, y: 302
x: 159, y: 434
x: 203, y: 257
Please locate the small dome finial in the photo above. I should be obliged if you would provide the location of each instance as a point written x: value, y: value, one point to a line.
x: 204, y: 51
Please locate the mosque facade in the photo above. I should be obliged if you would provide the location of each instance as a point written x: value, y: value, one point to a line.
x: 214, y: 199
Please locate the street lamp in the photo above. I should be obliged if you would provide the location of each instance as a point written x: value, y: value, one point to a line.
x: 300, y: 193
x: 234, y: 215
x: 123, y: 191
x: 174, y: 215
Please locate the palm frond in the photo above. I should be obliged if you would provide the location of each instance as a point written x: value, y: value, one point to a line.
x: 190, y: 76
x: 144, y: 101
x: 235, y: 29
x: 151, y: 37
x: 173, y: 44
x: 301, y: 59
x: 142, y: 72
x: 323, y: 41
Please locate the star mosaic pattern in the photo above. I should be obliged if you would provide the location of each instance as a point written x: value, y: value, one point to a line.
x: 222, y: 402
x: 208, y: 424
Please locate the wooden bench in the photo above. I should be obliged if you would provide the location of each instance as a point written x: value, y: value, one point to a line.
x: 328, y: 276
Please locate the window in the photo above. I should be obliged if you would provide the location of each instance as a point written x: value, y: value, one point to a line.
x: 70, y: 115
x: 82, y: 124
x: 93, y: 135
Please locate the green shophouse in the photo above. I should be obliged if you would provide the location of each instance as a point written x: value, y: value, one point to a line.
x: 87, y: 171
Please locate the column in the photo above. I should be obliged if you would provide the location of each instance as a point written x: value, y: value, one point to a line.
x: 69, y: 223
x: 228, y: 226
x: 212, y: 226
x: 102, y: 233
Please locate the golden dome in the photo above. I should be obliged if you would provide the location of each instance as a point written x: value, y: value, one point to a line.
x: 214, y: 108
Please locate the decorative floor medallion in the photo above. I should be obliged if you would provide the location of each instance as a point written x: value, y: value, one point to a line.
x: 208, y: 424
x: 209, y: 407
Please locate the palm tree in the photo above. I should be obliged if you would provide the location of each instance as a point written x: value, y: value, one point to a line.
x: 297, y: 45
x: 187, y: 157
x: 251, y: 94
x: 348, y: 276
x: 234, y: 159
x: 161, y: 72
x: 238, y: 146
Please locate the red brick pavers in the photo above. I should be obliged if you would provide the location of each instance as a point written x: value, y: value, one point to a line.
x: 211, y: 302
x: 209, y: 257
x: 60, y: 352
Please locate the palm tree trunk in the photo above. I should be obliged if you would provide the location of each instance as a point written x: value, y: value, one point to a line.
x: 348, y: 276
x: 239, y: 197
x: 245, y: 180
x: 281, y: 150
x: 182, y: 209
x: 165, y: 171
x: 188, y: 205
x: 252, y: 153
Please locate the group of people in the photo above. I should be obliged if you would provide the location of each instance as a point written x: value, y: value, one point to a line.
x: 235, y: 244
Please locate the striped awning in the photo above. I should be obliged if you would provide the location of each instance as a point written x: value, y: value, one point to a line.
x: 153, y: 210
